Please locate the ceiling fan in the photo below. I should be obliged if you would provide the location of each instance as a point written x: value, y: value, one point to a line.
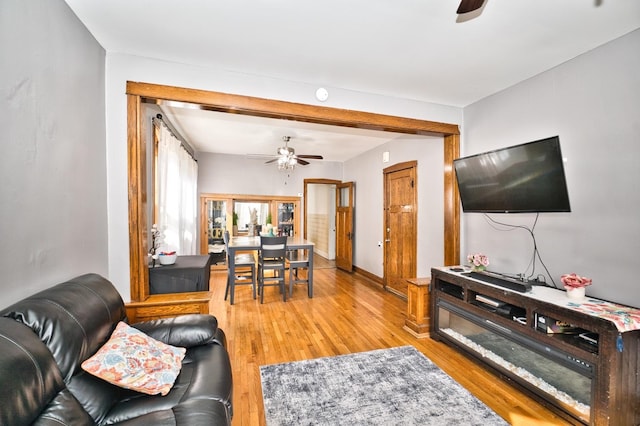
x: 467, y: 6
x: 287, y: 158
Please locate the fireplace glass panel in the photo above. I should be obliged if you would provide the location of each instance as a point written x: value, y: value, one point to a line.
x: 570, y: 389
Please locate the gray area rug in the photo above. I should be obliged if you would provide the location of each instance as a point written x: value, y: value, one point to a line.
x: 398, y: 386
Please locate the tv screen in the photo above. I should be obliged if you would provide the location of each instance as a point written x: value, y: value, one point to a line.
x: 523, y: 178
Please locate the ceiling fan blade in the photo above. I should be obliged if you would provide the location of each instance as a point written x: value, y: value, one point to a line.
x: 313, y: 157
x: 467, y: 6
x: 302, y: 162
x: 271, y: 161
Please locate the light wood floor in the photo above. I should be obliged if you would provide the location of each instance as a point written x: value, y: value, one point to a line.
x: 347, y: 314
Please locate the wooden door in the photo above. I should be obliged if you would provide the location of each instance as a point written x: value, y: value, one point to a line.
x: 344, y: 225
x: 400, y: 206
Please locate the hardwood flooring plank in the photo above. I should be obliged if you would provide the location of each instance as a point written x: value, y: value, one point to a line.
x: 348, y: 313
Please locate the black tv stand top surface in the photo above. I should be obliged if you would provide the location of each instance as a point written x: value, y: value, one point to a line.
x: 624, y: 318
x: 511, y: 284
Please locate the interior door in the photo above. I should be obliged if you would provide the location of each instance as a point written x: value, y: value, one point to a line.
x: 400, y: 226
x: 344, y: 225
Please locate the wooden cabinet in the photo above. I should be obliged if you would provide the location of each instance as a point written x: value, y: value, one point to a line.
x: 577, y: 358
x: 287, y: 213
x: 216, y: 216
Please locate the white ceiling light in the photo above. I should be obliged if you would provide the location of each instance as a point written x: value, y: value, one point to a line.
x: 287, y: 162
x: 322, y: 94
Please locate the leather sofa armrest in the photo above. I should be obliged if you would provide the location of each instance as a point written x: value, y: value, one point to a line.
x: 184, y: 331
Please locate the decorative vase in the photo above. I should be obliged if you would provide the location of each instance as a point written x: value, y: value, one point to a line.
x: 479, y: 268
x: 576, y: 293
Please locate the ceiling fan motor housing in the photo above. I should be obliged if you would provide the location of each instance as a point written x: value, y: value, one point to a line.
x: 285, y: 150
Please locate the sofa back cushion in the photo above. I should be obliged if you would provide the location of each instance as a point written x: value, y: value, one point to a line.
x: 32, y: 390
x: 73, y: 319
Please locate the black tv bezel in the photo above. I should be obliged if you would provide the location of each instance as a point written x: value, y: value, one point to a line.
x: 556, y: 139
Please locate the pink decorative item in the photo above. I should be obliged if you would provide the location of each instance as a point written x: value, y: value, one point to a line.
x: 575, y: 285
x: 479, y: 261
x: 574, y: 281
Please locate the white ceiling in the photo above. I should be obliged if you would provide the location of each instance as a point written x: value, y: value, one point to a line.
x: 413, y: 49
x: 236, y: 134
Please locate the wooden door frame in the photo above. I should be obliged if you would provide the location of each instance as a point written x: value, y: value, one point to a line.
x: 315, y: 182
x: 139, y: 93
x: 391, y: 169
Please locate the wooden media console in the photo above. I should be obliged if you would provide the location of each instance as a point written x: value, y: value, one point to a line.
x: 581, y: 359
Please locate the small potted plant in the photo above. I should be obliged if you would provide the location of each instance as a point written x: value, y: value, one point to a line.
x: 268, y: 229
x: 234, y: 222
x: 575, y: 285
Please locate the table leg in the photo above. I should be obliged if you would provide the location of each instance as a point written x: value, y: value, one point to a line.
x: 232, y: 274
x: 310, y: 273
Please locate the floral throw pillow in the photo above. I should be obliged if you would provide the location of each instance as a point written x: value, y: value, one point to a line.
x: 132, y: 360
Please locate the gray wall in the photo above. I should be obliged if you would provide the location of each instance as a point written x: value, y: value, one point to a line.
x: 236, y: 174
x: 367, y: 173
x: 53, y: 211
x: 593, y: 103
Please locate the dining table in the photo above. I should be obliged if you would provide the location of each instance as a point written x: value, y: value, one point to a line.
x: 244, y: 243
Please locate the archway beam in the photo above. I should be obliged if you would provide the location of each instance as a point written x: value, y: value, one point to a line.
x: 238, y: 104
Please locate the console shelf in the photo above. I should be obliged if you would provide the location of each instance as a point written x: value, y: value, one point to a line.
x: 581, y: 364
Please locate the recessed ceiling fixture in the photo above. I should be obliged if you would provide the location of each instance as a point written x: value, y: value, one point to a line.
x: 322, y: 94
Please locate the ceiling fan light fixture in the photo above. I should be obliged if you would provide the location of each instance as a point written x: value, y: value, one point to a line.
x: 286, y: 163
x: 286, y: 158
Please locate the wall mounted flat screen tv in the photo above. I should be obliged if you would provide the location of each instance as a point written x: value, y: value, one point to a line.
x: 523, y: 178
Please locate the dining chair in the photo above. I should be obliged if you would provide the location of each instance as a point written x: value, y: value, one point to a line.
x: 271, y: 258
x: 298, y: 261
x: 245, y: 271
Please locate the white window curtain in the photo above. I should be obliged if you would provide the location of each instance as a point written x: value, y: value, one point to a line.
x: 177, y: 186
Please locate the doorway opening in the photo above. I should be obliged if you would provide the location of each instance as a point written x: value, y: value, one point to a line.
x: 139, y: 93
x: 320, y: 216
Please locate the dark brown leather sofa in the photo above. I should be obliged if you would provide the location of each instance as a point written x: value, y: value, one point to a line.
x: 45, y: 338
